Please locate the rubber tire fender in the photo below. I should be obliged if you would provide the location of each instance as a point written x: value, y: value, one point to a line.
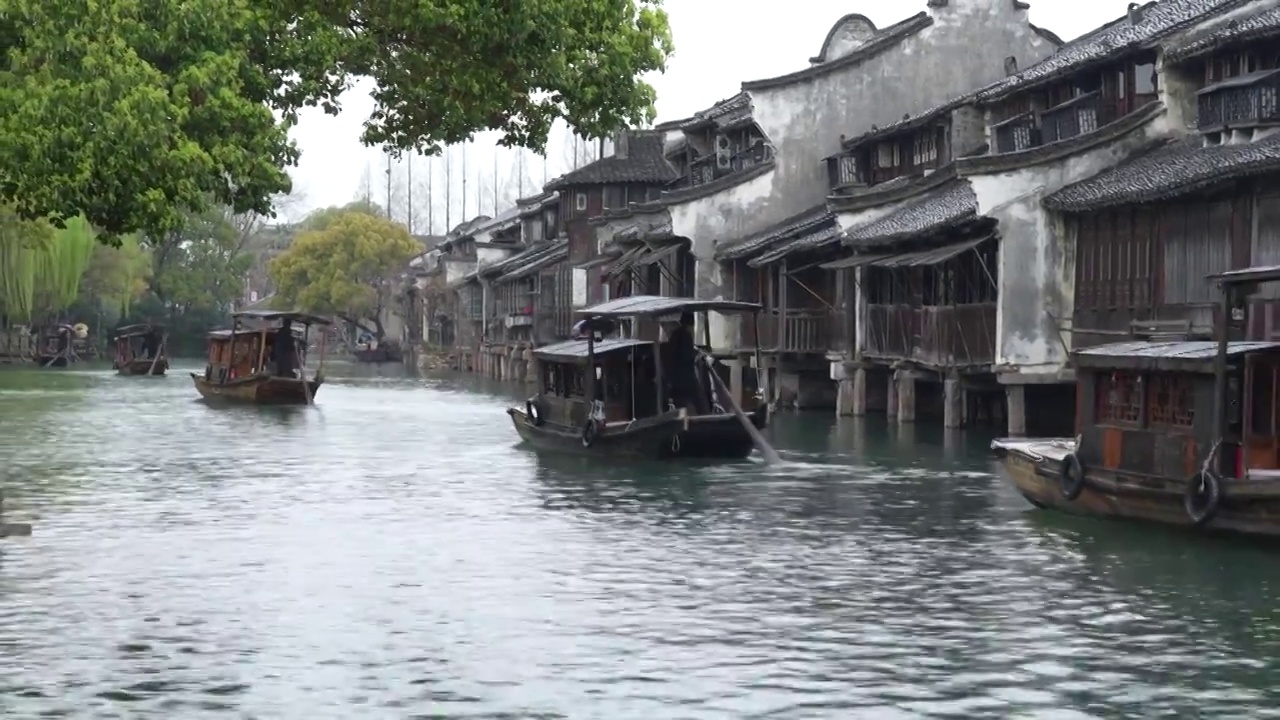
x: 532, y: 412
x: 1202, y: 498
x: 1071, y: 477
x: 589, y: 433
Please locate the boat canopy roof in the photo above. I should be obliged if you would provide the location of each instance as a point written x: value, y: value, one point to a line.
x: 1195, y: 356
x: 281, y: 316
x: 654, y: 305
x: 226, y: 333
x: 575, y: 351
x: 136, y: 330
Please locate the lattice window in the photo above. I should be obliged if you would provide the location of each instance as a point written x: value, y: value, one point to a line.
x: 1171, y: 400
x: 926, y: 148
x: 848, y: 170
x: 1119, y: 398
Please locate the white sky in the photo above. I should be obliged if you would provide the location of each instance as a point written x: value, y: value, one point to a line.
x: 719, y: 44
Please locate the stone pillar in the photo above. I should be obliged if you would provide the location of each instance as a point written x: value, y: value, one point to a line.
x: 891, y: 397
x: 531, y: 367
x: 906, y: 383
x: 860, y: 392
x: 735, y: 379
x: 844, y: 397
x: 953, y: 405
x: 1016, y: 396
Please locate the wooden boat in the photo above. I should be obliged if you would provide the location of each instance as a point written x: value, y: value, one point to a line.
x: 140, y: 350
x: 55, y: 346
x: 245, y: 367
x: 606, y: 396
x: 1181, y: 432
x: 381, y: 353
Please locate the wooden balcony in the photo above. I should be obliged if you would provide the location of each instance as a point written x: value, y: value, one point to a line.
x: 943, y: 337
x: 1017, y: 133
x: 708, y: 168
x: 795, y: 331
x: 1077, y: 116
x: 1240, y: 102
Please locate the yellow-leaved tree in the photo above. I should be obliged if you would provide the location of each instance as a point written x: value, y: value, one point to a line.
x: 345, y: 269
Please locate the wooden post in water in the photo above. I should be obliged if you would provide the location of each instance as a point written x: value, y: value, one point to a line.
x: 12, y: 529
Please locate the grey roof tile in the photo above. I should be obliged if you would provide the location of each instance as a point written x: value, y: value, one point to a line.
x: 775, y: 233
x: 945, y: 207
x: 644, y: 163
x: 811, y: 239
x: 1250, y: 27
x: 1168, y: 170
x: 1159, y: 20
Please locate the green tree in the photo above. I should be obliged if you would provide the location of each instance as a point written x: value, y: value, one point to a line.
x: 344, y: 269
x: 117, y: 276
x: 132, y: 113
x: 200, y: 265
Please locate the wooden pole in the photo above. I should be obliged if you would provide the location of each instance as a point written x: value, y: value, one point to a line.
x: 766, y: 451
x: 159, y: 351
x: 302, y: 373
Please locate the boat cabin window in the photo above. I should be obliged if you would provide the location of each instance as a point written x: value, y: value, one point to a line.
x: 1171, y: 400
x: 1118, y: 398
x: 563, y: 380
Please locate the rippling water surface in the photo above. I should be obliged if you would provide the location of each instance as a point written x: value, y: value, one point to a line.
x: 394, y: 553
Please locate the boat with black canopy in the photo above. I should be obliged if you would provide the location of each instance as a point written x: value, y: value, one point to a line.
x: 1181, y: 432
x: 140, y: 350
x: 612, y: 392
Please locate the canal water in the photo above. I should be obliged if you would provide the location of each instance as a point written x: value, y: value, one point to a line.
x: 393, y: 553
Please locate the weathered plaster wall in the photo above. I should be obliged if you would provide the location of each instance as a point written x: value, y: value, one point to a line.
x: 964, y: 48
x: 1036, y: 263
x: 455, y: 269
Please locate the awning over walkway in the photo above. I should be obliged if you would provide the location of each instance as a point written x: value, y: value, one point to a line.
x: 932, y: 256
x: 642, y: 256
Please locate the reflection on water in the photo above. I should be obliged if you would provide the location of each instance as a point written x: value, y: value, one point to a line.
x: 394, y: 552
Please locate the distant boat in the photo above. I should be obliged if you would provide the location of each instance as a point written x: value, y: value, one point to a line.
x: 140, y: 350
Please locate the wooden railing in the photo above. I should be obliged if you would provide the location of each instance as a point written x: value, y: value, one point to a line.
x: 706, y: 168
x: 957, y: 336
x: 1244, y: 101
x: 796, y: 331
x: 1075, y: 117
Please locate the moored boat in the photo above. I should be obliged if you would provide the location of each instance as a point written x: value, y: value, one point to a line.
x: 55, y: 346
x: 1181, y: 432
x: 261, y: 360
x: 623, y: 396
x: 140, y: 350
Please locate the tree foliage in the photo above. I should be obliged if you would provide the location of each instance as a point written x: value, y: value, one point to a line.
x: 117, y: 275
x: 201, y: 264
x: 345, y: 268
x: 133, y: 112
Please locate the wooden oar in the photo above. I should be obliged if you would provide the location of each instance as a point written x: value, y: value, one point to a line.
x: 160, y: 350
x: 302, y: 373
x: 766, y: 450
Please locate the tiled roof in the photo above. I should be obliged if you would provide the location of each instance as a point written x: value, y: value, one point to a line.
x: 810, y: 239
x: 739, y: 104
x: 883, y: 40
x: 534, y: 259
x: 644, y: 163
x: 1249, y: 27
x: 1171, y: 169
x: 945, y: 207
x: 1158, y: 20
x: 910, y: 122
x: 780, y: 231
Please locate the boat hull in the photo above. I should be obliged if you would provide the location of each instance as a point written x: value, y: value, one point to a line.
x: 143, y: 367
x: 1247, y: 506
x: 382, y: 355
x: 57, y: 361
x: 669, y: 436
x: 258, y: 390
